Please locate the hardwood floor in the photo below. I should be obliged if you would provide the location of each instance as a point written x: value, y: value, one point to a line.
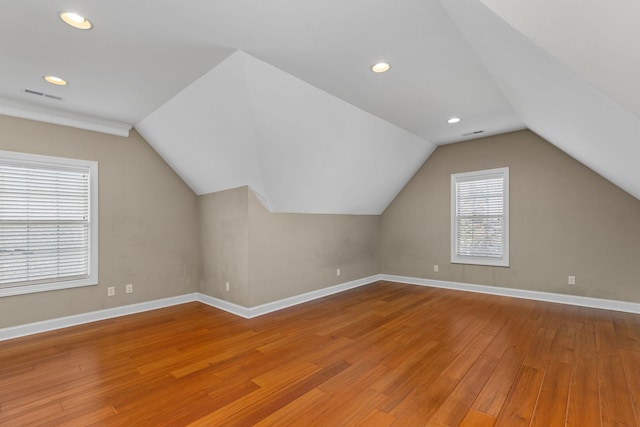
x: 383, y: 355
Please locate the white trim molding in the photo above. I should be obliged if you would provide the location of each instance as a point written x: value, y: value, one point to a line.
x: 18, y: 168
x: 605, y: 304
x: 229, y: 307
x: 259, y: 310
x: 251, y: 312
x: 48, y: 115
x: 238, y: 310
x: 93, y: 316
x: 477, y: 195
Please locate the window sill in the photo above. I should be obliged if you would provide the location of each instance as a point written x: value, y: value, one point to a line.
x: 498, y: 262
x: 45, y: 287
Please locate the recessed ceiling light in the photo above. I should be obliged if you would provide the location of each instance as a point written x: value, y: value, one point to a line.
x: 453, y: 120
x: 56, y: 80
x: 380, y: 67
x: 76, y: 20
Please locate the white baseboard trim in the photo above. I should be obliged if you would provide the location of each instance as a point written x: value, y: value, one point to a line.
x: 79, y: 319
x: 605, y: 304
x: 246, y: 312
x: 259, y: 310
x: 223, y: 305
x: 250, y: 312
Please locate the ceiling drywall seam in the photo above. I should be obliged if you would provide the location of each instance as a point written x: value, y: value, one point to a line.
x: 262, y: 192
x: 551, y: 99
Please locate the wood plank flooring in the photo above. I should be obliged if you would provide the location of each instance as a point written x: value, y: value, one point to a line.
x: 386, y: 354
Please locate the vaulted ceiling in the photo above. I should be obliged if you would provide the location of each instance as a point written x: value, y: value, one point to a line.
x: 278, y: 94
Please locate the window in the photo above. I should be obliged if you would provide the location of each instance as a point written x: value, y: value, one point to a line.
x: 480, y: 217
x: 48, y: 223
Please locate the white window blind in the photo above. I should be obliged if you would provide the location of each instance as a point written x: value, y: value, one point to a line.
x: 46, y: 232
x: 480, y: 217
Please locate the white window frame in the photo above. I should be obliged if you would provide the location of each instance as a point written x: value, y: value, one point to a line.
x: 50, y: 162
x: 502, y: 261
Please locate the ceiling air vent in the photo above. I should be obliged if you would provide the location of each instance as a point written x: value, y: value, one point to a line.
x: 477, y: 132
x: 46, y: 95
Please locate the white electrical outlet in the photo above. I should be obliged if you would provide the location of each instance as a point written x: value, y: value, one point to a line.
x: 129, y: 288
x: 111, y: 291
x: 226, y: 285
x: 572, y: 280
x: 436, y: 268
x: 338, y: 272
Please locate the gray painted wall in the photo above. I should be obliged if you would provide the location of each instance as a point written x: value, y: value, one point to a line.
x: 156, y: 234
x: 148, y: 233
x: 565, y: 220
x: 224, y: 245
x: 267, y: 256
x: 290, y: 254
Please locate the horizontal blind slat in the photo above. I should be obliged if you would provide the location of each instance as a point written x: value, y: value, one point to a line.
x: 44, y: 223
x: 479, y: 213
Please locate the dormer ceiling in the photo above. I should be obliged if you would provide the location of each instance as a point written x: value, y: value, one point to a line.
x: 278, y: 94
x: 299, y: 148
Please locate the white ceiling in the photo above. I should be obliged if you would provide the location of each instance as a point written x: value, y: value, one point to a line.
x: 555, y: 100
x: 277, y: 94
x: 299, y: 148
x: 598, y: 40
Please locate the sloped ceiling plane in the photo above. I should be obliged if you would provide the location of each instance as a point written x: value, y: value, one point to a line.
x: 278, y: 94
